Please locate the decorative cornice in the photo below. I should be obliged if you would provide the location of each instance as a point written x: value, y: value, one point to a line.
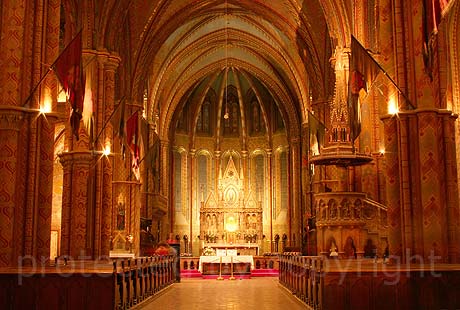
x: 409, y: 113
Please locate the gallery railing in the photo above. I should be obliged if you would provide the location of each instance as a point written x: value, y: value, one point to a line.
x: 302, y: 275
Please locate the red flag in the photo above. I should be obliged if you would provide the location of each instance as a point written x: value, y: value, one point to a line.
x: 69, y: 70
x: 118, y: 123
x: 432, y: 11
x: 363, y: 71
x: 132, y: 137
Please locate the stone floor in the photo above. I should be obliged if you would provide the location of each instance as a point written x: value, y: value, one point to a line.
x: 255, y: 293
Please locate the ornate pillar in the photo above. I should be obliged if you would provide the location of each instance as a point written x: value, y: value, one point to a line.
x: 296, y: 216
x: 245, y: 170
x: 438, y: 202
x: 392, y: 174
x: 270, y: 184
x: 423, y: 210
x: 26, y: 138
x: 12, y: 205
x: 107, y: 200
x: 75, y: 240
x: 165, y: 178
x: 218, y: 173
x: 452, y: 203
x: 193, y: 190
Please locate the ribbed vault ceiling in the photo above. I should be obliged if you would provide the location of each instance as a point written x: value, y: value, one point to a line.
x: 283, y: 44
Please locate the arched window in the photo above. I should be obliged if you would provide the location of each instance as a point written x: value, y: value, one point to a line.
x: 203, y: 121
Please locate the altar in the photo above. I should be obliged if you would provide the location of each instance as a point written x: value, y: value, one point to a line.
x: 230, y: 217
x: 240, y: 248
x: 225, y: 265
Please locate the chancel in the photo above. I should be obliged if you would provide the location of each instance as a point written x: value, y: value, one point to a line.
x: 231, y: 218
x: 148, y: 148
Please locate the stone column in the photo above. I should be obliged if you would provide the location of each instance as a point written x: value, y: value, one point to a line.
x: 452, y: 203
x: 437, y: 200
x: 296, y: 216
x: 393, y: 185
x: 165, y: 180
x: 270, y: 183
x: 12, y: 205
x: 218, y: 173
x: 107, y: 140
x: 246, y: 176
x: 193, y: 197
x: 26, y: 138
x: 75, y: 240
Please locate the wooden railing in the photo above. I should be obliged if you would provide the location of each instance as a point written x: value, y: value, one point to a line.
x: 302, y: 275
x: 138, y: 279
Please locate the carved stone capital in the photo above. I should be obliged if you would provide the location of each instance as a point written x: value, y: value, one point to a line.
x: 80, y: 157
x: 11, y: 119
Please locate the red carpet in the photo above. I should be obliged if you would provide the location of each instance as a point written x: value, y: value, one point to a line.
x: 254, y: 273
x: 264, y: 273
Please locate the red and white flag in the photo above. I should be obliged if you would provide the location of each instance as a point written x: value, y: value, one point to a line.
x: 69, y: 70
x: 363, y: 71
x: 132, y: 138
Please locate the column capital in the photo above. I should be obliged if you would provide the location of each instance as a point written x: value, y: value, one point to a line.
x: 78, y: 157
x: 110, y: 60
x: 11, y: 119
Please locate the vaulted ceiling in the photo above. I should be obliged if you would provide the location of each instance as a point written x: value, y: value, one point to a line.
x: 283, y: 45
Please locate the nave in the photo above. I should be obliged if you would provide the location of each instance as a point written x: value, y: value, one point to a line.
x: 255, y: 293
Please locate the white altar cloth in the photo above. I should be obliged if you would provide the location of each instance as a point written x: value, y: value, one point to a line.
x: 226, y: 260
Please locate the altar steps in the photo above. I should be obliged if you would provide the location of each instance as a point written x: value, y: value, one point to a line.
x: 227, y: 276
x: 254, y: 273
x: 193, y: 273
x: 264, y: 273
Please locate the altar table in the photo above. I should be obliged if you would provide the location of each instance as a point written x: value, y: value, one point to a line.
x: 242, y: 264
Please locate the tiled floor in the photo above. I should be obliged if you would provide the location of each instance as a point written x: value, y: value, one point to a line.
x: 256, y: 293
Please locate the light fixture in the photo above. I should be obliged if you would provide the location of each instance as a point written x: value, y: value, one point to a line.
x: 106, y: 150
x: 392, y: 106
x: 45, y: 107
x: 226, y: 115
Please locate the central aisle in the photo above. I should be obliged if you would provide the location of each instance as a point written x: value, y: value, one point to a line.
x: 256, y: 293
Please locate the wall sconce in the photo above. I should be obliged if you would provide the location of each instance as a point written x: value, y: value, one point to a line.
x: 393, y: 108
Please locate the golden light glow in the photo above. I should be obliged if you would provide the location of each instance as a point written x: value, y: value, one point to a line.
x: 45, y: 107
x: 106, y: 150
x: 392, y: 106
x: 230, y: 225
x: 62, y: 97
x: 382, y: 151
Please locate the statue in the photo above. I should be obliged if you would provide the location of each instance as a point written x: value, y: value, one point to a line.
x: 121, y: 215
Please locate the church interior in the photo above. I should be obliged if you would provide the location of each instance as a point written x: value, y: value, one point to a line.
x: 306, y: 139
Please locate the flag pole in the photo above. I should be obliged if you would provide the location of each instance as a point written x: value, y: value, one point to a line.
x: 385, y: 73
x: 36, y: 86
x: 108, y: 120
